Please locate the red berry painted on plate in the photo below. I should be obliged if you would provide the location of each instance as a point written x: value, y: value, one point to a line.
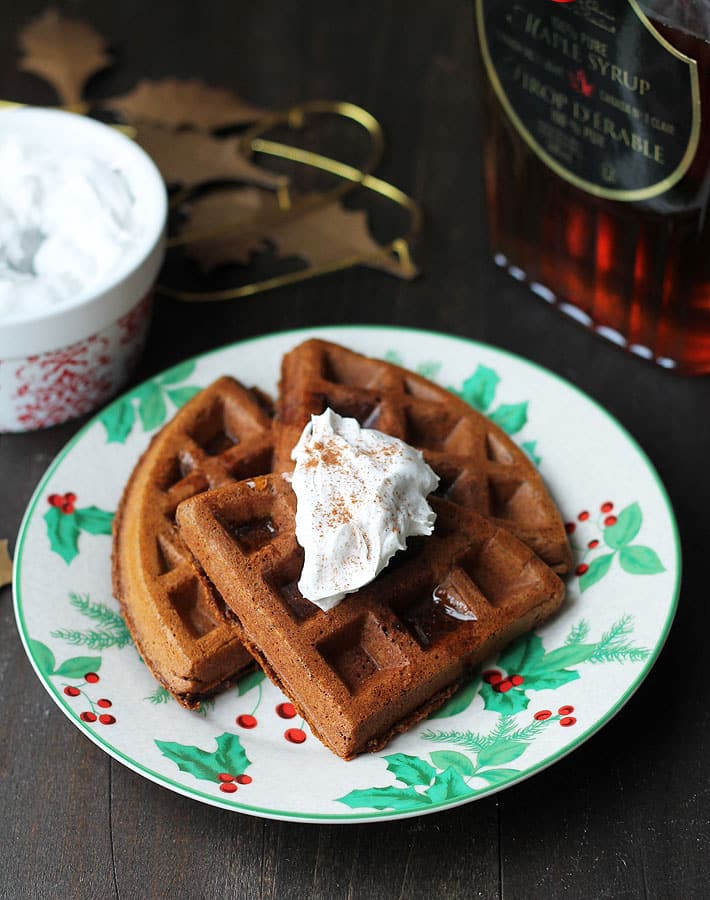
x: 244, y: 779
x: 70, y: 498
x: 609, y: 521
x: 570, y: 527
x: 565, y: 710
x: 581, y: 569
x: 542, y: 715
x: 516, y: 680
x: 229, y: 787
x: 493, y: 676
x: 567, y: 721
x: 246, y: 721
x: 286, y: 710
x: 295, y: 735
x: 104, y: 703
x: 583, y: 516
x: 71, y: 691
x: 593, y: 544
x: 88, y: 717
x: 91, y: 677
x: 607, y: 507
x: 107, y: 719
x: 54, y: 500
x: 504, y: 686
x: 225, y: 776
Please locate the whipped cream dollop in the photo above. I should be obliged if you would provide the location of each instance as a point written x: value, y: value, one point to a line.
x: 66, y: 219
x: 359, y: 495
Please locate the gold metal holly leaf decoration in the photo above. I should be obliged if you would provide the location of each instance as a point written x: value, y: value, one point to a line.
x: 5, y: 565
x: 176, y: 103
x: 64, y: 52
x: 189, y: 158
x: 321, y: 235
x: 214, y: 213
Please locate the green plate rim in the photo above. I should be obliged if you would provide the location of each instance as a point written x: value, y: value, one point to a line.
x: 346, y: 818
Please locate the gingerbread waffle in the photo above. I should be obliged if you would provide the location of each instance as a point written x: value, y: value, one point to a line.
x: 479, y: 466
x: 391, y: 652
x: 178, y: 621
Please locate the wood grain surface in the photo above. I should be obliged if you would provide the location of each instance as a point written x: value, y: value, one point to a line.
x: 628, y: 814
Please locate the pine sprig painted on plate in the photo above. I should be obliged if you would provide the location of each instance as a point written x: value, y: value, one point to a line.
x: 449, y: 774
x: 111, y: 631
x: 578, y: 633
x: 505, y: 730
x: 159, y: 696
x: 94, y: 640
x: 614, y: 647
x: 100, y: 612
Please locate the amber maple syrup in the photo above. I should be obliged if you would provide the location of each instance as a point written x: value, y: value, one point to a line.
x: 636, y: 272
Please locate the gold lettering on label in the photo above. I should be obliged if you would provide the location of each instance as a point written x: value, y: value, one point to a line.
x: 544, y: 92
x: 618, y: 75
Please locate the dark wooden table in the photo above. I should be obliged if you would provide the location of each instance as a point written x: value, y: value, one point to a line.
x: 627, y: 814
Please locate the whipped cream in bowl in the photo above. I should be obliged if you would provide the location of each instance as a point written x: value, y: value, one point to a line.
x: 360, y: 494
x: 83, y: 213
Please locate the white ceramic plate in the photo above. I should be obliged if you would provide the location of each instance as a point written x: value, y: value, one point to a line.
x: 539, y: 700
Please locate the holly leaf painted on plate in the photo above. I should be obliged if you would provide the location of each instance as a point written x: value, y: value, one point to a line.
x: 229, y: 757
x: 151, y: 406
x: 452, y: 759
x: 523, y: 655
x: 627, y: 526
x: 249, y: 681
x: 568, y: 655
x: 511, y: 417
x: 181, y: 395
x: 429, y: 369
x: 503, y: 751
x: 639, y: 560
x: 479, y: 389
x: 460, y: 701
x: 529, y: 448
x: 177, y: 373
x: 403, y: 799
x: 410, y: 770
x: 43, y: 656
x: 94, y: 520
x: 507, y: 704
x: 64, y: 52
x: 176, y: 103
x: 498, y: 776
x: 597, y: 570
x: 78, y: 666
x: 545, y: 680
x: 118, y: 421
x: 448, y: 785
x: 63, y: 533
x: 394, y: 357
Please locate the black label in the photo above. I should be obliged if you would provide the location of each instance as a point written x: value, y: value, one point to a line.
x: 595, y: 91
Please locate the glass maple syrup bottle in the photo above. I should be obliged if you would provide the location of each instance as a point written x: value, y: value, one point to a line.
x: 597, y: 164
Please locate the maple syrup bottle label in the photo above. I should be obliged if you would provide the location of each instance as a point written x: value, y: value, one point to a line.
x: 595, y: 91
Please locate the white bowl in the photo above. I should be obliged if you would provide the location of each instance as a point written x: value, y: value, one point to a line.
x: 59, y: 365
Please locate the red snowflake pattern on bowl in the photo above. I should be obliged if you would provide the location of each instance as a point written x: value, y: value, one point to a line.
x: 51, y: 388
